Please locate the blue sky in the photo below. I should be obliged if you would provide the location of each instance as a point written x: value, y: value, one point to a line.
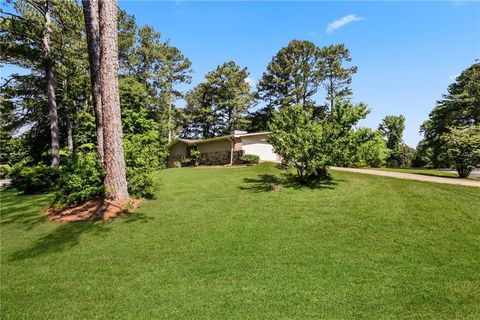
x: 406, y: 52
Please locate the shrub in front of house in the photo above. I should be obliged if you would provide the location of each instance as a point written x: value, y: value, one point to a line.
x: 195, y: 157
x: 249, y: 159
x: 187, y: 162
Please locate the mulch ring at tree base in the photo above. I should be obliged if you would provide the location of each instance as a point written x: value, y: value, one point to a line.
x: 93, y: 210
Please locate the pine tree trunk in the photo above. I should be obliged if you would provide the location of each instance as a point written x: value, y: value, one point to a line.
x: 331, y: 97
x: 169, y: 124
x: 90, y: 11
x: 52, y: 102
x: 115, y: 180
x: 69, y: 136
x: 69, y: 123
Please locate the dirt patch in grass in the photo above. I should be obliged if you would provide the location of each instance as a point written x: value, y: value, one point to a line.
x: 93, y: 210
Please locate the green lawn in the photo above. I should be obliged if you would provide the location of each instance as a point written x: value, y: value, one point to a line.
x: 426, y: 172
x: 216, y: 244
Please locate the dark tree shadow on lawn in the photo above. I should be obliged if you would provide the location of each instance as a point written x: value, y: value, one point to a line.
x: 68, y: 234
x: 63, y: 237
x: 136, y: 217
x: 27, y: 211
x: 23, y: 210
x: 268, y: 182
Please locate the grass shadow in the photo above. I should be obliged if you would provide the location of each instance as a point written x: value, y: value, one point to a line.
x: 136, y: 217
x: 267, y: 182
x: 27, y: 211
x: 67, y: 235
x: 24, y: 210
x: 63, y: 237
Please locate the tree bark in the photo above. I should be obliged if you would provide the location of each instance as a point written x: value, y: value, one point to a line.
x: 90, y: 11
x: 68, y: 121
x: 52, y: 101
x: 69, y: 136
x: 169, y: 124
x: 115, y: 180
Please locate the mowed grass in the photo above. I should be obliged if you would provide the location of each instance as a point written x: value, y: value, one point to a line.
x: 216, y: 244
x: 426, y: 172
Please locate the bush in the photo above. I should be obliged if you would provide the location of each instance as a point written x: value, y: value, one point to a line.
x: 177, y: 164
x: 195, y: 154
x: 249, y: 158
x: 4, y: 171
x: 142, y: 159
x: 33, y: 179
x: 299, y: 140
x: 80, y: 179
x: 140, y: 183
x: 462, y: 147
x: 187, y: 162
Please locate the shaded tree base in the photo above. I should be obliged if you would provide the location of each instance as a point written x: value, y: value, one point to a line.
x: 93, y: 210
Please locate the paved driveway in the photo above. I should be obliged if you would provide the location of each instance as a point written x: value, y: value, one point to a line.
x: 412, y: 176
x: 475, y: 173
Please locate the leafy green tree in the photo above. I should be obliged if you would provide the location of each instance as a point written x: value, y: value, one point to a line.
x: 200, y: 116
x: 259, y: 119
x: 339, y: 130
x: 175, y: 69
x: 150, y: 70
x: 28, y: 43
x: 370, y: 148
x: 392, y: 128
x: 231, y: 95
x: 462, y: 147
x: 293, y: 76
x: 336, y: 77
x: 159, y: 66
x: 423, y: 155
x: 12, y: 148
x: 36, y: 96
x: 299, y: 140
x: 127, y: 41
x: 459, y: 108
x: 220, y: 104
x: 144, y: 151
x: 147, y: 54
x: 297, y: 72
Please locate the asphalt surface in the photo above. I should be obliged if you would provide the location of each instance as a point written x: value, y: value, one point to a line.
x: 412, y: 176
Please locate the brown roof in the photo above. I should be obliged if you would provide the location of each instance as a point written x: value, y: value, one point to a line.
x: 201, y: 141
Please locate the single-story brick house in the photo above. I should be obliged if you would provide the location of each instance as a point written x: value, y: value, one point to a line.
x: 225, y: 149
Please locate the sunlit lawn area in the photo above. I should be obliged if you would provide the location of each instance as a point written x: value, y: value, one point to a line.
x: 427, y: 172
x: 216, y: 244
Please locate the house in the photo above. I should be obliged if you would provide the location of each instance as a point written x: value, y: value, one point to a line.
x: 225, y: 149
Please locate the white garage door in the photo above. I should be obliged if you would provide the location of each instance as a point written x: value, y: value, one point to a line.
x: 257, y: 145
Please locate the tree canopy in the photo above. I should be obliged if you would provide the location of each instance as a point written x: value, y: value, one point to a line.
x: 459, y: 108
x: 220, y: 104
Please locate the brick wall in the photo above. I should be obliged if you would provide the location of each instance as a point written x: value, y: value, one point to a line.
x: 209, y: 158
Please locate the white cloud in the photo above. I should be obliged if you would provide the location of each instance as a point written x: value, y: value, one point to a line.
x: 251, y: 82
x: 337, y: 24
